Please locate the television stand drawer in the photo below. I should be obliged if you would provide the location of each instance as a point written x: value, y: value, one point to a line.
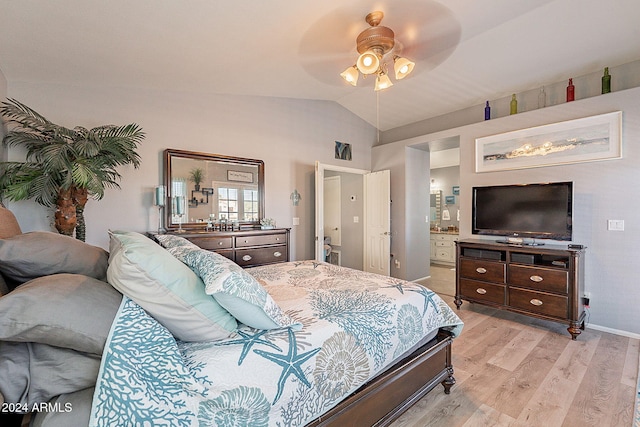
x: 486, y: 271
x: 542, y: 279
x: 482, y: 291
x: 538, y: 302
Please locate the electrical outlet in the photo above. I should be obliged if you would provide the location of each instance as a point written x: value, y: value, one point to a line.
x: 397, y: 262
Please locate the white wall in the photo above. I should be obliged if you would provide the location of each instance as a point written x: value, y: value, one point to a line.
x: 289, y: 135
x: 603, y: 190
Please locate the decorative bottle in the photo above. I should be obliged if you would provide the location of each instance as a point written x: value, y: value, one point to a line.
x: 487, y: 111
x: 514, y: 104
x: 571, y: 91
x: 542, y: 98
x: 606, y: 81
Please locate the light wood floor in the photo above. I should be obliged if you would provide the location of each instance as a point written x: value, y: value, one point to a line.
x: 513, y: 370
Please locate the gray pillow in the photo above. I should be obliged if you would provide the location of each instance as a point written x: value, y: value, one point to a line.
x: 33, y: 373
x: 64, y: 310
x: 79, y: 401
x: 40, y: 253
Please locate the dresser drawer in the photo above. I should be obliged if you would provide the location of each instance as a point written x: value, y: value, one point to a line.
x: 488, y: 271
x: 539, y: 302
x: 482, y: 291
x: 444, y: 243
x: 271, y: 254
x: 213, y: 243
x: 543, y: 279
x: 266, y: 239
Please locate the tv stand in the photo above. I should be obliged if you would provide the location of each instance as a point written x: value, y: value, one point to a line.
x: 547, y: 282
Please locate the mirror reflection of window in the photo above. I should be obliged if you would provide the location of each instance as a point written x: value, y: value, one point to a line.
x: 228, y: 203
x: 250, y: 202
x: 179, y: 188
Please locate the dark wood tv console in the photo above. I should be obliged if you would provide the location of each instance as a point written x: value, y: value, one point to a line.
x: 542, y: 281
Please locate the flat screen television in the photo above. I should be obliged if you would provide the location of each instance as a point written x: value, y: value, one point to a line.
x: 527, y: 211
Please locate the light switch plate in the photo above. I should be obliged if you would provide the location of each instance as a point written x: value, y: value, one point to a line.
x: 296, y: 220
x: 615, y: 225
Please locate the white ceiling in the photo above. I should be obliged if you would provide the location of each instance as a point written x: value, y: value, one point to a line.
x: 465, y: 51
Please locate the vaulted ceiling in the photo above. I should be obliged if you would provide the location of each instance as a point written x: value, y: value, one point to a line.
x: 465, y: 51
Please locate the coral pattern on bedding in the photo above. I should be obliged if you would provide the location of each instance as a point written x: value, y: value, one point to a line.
x: 354, y: 325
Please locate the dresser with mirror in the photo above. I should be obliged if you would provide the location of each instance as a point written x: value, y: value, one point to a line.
x: 217, y: 202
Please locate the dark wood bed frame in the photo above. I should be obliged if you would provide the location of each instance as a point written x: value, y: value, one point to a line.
x: 382, y: 400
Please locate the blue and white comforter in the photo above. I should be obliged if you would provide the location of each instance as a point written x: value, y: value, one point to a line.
x: 354, y: 325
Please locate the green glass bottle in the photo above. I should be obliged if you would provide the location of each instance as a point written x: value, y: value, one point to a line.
x: 606, y: 81
x: 514, y: 104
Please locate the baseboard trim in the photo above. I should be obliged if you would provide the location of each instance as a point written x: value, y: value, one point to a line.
x: 613, y: 331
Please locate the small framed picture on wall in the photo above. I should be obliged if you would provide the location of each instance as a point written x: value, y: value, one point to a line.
x: 343, y: 150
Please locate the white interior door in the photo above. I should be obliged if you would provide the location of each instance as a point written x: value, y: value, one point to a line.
x: 377, y: 218
x: 333, y: 210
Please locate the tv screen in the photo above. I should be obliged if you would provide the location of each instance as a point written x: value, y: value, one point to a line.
x: 536, y: 211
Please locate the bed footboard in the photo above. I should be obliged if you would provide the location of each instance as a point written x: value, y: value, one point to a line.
x: 386, y: 397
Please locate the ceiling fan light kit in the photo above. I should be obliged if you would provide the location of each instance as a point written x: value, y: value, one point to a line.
x: 373, y: 44
x: 351, y: 75
x: 383, y: 82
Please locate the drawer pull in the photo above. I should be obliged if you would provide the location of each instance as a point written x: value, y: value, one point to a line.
x: 481, y: 291
x: 277, y: 254
x: 536, y: 302
x: 220, y: 243
x: 277, y: 239
x: 246, y: 258
x: 481, y: 270
x: 536, y: 279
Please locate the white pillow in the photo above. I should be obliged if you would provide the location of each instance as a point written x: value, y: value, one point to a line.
x: 166, y: 288
x: 234, y: 288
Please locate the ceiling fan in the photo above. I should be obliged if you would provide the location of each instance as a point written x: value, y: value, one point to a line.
x: 374, y: 45
x: 423, y: 31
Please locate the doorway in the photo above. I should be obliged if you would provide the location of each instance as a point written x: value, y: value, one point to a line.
x: 350, y: 250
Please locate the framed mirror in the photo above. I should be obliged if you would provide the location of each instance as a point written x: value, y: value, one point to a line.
x: 203, y: 187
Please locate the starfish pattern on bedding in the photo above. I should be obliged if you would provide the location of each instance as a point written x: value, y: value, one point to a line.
x: 398, y: 286
x: 291, y: 362
x: 249, y: 340
x: 428, y: 298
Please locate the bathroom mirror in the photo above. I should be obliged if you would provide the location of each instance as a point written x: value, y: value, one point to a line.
x: 435, y: 208
x: 202, y: 188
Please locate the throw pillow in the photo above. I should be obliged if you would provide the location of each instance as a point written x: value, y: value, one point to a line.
x: 234, y: 288
x: 166, y: 288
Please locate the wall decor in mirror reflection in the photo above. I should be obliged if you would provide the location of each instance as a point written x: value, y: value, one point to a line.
x: 581, y: 140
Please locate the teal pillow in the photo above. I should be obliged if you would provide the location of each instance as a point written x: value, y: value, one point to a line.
x: 234, y: 288
x: 166, y: 288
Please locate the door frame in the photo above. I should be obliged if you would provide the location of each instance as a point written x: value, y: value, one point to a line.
x: 319, y: 227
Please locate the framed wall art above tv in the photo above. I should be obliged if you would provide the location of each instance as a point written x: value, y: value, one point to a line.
x: 581, y: 140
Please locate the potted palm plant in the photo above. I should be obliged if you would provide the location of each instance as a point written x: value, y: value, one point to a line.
x: 196, y: 176
x: 64, y: 167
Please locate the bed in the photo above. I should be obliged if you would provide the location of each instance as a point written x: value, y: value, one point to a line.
x: 310, y: 344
